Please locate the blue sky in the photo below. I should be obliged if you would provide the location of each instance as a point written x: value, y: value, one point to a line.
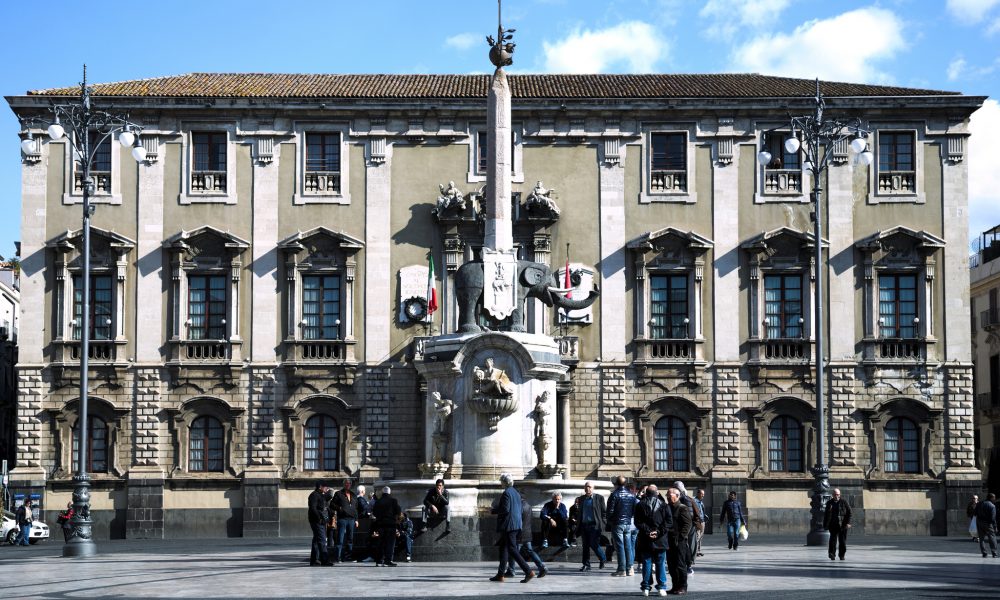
x: 939, y: 44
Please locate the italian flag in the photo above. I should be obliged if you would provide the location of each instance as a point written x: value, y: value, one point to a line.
x: 432, y: 295
x: 566, y: 280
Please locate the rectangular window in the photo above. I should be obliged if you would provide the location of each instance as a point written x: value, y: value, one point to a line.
x: 774, y: 144
x: 321, y: 307
x: 897, y: 306
x: 207, y: 307
x: 669, y: 306
x: 209, y: 172
x: 783, y: 306
x: 100, y: 307
x: 994, y: 381
x: 896, y: 162
x: 100, y: 147
x: 322, y: 175
x: 667, y: 162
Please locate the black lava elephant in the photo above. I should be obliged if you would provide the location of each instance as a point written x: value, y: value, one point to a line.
x: 534, y: 280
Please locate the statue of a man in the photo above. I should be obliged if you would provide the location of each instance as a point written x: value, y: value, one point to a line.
x: 493, y: 381
x: 541, y: 441
x: 443, y: 407
x: 450, y: 198
x: 540, y: 200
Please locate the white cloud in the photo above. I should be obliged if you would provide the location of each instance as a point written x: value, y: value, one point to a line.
x: 956, y: 68
x: 727, y: 17
x: 994, y: 27
x: 632, y: 46
x: 984, y: 167
x: 464, y: 41
x: 970, y: 11
x: 822, y: 48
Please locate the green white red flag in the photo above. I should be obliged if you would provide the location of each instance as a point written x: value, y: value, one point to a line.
x: 432, y: 295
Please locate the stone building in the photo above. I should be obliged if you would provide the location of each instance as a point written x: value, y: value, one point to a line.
x: 260, y: 292
x: 985, y: 308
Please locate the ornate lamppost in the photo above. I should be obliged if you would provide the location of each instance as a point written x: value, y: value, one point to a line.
x: 816, y: 138
x: 78, y: 122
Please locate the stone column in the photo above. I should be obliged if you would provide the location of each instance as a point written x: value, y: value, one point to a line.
x: 378, y: 233
x: 144, y: 516
x: 499, y: 234
x: 149, y: 257
x: 839, y: 215
x: 612, y: 263
x: 726, y: 253
x: 955, y: 263
x: 264, y: 339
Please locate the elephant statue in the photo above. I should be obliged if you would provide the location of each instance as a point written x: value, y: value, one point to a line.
x: 534, y: 280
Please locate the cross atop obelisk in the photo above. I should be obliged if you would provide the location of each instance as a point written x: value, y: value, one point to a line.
x: 498, y: 151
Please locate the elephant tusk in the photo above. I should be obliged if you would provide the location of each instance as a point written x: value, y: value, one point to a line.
x: 556, y: 290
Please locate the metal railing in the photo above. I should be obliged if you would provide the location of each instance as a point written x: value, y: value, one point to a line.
x: 989, y: 318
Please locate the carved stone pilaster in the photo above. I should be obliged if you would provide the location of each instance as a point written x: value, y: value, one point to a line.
x: 264, y: 147
x: 151, y: 144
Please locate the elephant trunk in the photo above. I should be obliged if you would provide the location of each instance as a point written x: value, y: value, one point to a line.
x: 572, y: 303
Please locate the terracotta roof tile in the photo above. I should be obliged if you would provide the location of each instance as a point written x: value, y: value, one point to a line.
x: 275, y: 85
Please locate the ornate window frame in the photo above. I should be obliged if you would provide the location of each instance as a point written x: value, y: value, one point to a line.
x: 776, y: 252
x: 65, y: 420
x: 517, y: 158
x: 346, y: 417
x: 784, y: 177
x: 180, y: 421
x: 204, y: 251
x: 761, y: 418
x: 316, y: 252
x: 919, y: 194
x: 669, y: 251
x: 301, y: 197
x: 191, y: 196
x: 899, y: 250
x: 926, y: 418
x: 73, y: 196
x: 697, y: 420
x: 108, y: 256
x: 690, y: 193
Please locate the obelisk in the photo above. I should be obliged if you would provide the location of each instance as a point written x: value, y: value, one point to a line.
x: 498, y: 186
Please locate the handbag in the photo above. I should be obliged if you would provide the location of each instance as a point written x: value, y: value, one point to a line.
x: 973, y: 531
x: 744, y: 534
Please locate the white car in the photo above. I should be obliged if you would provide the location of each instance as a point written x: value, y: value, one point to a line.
x: 9, y: 530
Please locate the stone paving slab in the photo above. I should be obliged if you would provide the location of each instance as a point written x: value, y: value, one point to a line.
x: 775, y: 568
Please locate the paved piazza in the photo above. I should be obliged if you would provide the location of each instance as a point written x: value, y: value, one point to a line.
x: 767, y: 567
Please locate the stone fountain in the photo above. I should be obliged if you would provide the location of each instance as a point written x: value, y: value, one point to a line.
x: 491, y: 393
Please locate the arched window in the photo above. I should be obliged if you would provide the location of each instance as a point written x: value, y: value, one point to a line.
x: 321, y: 440
x: 205, y: 446
x: 902, y: 452
x: 97, y: 446
x: 670, y: 445
x: 784, y: 445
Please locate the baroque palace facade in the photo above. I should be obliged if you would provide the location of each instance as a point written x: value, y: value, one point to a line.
x: 259, y: 287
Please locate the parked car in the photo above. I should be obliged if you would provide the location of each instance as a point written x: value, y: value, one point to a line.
x: 9, y: 529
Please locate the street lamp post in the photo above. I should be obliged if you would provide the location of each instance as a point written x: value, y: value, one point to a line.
x: 77, y: 121
x: 818, y: 139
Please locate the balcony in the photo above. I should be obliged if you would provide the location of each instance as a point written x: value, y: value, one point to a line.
x: 897, y: 182
x: 782, y: 351
x: 666, y: 182
x: 988, y: 403
x: 99, y: 351
x: 900, y: 349
x: 676, y: 350
x: 320, y: 351
x: 783, y: 181
x: 208, y: 182
x: 321, y: 183
x: 569, y: 349
x: 102, y: 182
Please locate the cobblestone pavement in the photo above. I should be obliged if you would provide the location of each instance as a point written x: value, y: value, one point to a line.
x: 766, y: 567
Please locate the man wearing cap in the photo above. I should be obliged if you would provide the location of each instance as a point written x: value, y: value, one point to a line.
x: 319, y: 516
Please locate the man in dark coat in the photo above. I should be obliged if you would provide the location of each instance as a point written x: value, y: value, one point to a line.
x: 591, y: 509
x: 319, y: 516
x: 345, y: 504
x: 653, y: 519
x: 509, y: 525
x: 385, y: 521
x: 678, y: 558
x: 837, y: 519
x: 436, y: 506
x: 986, y: 524
x: 555, y: 521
